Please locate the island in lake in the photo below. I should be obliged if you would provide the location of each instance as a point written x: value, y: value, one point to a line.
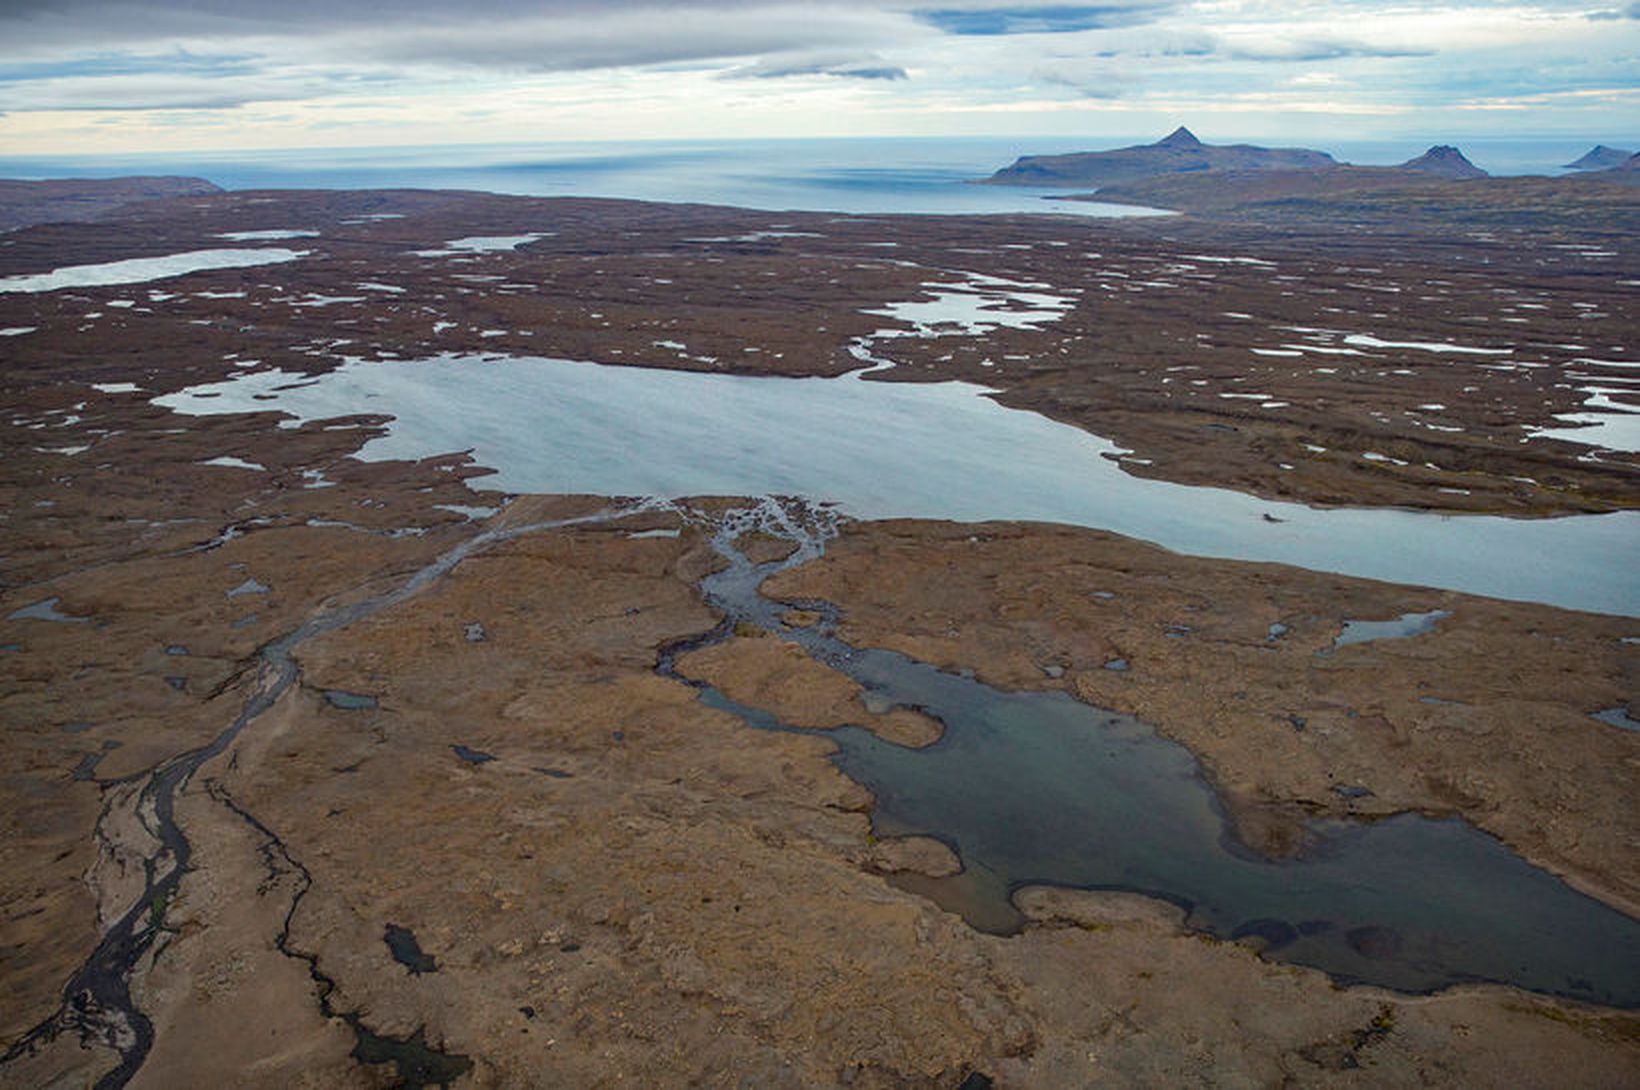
x: 465, y: 640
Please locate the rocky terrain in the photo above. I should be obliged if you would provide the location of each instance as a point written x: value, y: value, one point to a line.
x: 1391, y: 197
x: 1445, y: 161
x: 327, y: 772
x: 1437, y: 190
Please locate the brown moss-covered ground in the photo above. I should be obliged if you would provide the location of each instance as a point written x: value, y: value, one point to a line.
x: 1217, y: 352
x: 638, y: 889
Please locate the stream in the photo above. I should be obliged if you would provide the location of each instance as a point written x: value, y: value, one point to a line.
x: 1034, y: 788
x: 1026, y: 787
x: 97, y: 1003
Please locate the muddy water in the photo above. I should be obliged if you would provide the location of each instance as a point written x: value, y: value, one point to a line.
x: 1038, y: 788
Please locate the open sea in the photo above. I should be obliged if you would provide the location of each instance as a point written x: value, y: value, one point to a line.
x: 864, y: 175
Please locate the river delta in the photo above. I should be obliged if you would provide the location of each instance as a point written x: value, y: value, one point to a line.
x: 354, y: 738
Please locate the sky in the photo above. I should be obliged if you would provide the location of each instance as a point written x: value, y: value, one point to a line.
x: 117, y: 76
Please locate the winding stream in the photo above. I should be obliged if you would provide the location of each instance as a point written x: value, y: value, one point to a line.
x: 1027, y: 788
x: 1038, y: 788
x: 97, y: 1003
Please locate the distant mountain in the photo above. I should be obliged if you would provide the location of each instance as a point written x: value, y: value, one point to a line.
x: 1439, y: 179
x: 1178, y: 153
x: 70, y: 199
x: 1626, y: 172
x: 1600, y: 157
x: 1445, y: 161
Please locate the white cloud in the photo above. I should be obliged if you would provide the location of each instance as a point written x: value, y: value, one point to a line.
x: 394, y: 70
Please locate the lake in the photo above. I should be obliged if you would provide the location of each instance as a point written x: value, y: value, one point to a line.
x: 917, y: 450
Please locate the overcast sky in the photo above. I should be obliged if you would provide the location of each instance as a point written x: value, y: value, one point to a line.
x: 149, y: 75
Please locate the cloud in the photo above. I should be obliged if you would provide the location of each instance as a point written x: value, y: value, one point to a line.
x: 89, y: 25
x: 128, y: 64
x: 661, y: 67
x: 153, y: 91
x: 1316, y: 49
x: 68, y: 54
x: 1095, y: 79
x: 867, y: 68
x: 631, y: 38
x: 993, y: 19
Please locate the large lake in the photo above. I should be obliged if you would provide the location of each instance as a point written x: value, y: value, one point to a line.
x: 888, y: 449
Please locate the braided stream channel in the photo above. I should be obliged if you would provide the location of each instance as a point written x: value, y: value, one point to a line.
x: 97, y: 1004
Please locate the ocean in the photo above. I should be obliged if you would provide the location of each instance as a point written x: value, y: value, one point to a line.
x: 861, y: 175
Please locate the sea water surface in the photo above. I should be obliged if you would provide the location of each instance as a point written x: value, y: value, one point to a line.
x: 893, y: 449
x: 865, y: 174
x: 904, y: 175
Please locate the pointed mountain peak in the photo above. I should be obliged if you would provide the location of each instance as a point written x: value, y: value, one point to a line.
x: 1600, y: 157
x: 1180, y: 137
x: 1445, y: 160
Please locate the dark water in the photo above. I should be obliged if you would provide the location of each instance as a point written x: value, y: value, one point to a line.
x: 472, y: 756
x: 402, y: 944
x: 912, y: 175
x: 349, y: 702
x: 1038, y: 788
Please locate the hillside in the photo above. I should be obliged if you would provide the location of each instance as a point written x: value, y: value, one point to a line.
x: 72, y: 200
x: 1385, y: 195
x: 1600, y: 157
x: 1178, y: 153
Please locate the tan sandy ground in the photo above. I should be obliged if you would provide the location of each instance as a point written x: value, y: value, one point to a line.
x: 677, y: 899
